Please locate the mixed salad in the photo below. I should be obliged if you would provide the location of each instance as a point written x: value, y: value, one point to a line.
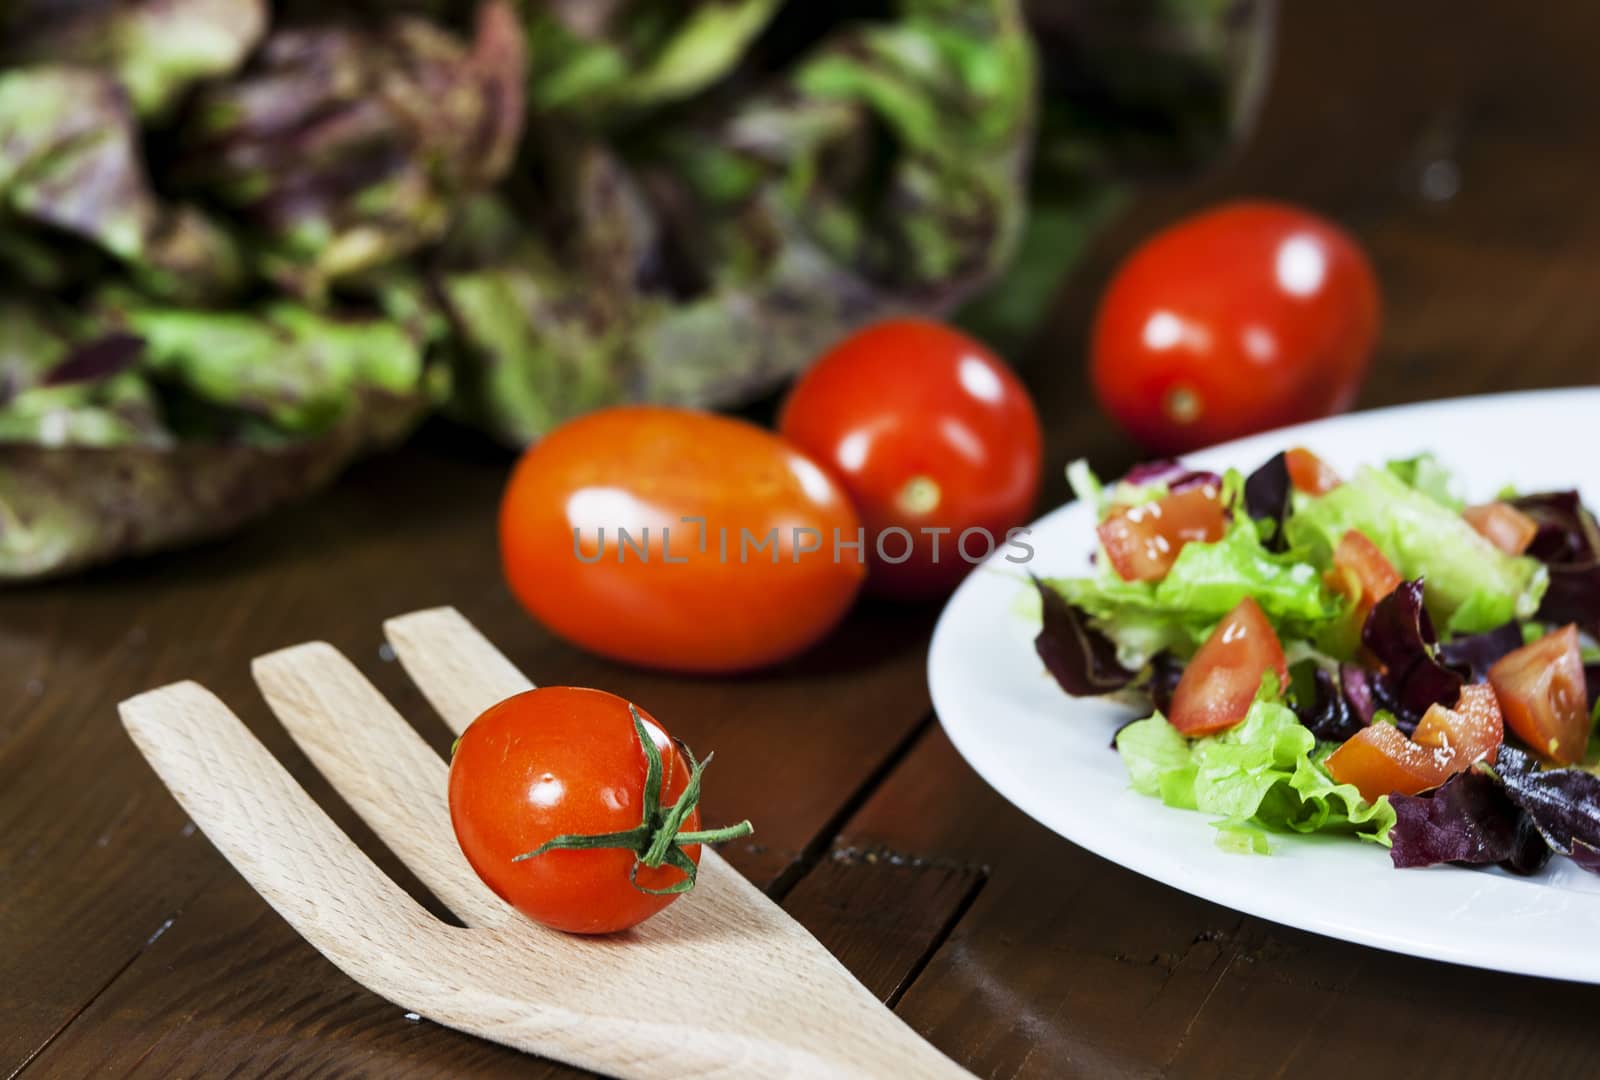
x: 1363, y: 655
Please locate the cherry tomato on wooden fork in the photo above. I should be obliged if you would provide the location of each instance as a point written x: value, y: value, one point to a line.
x: 1243, y: 318
x: 557, y: 805
x: 929, y: 432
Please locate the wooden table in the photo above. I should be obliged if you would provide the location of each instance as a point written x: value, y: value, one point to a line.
x: 1458, y: 141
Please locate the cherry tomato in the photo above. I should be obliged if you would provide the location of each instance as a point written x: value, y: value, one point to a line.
x: 559, y: 761
x: 1503, y: 525
x: 1380, y: 760
x: 1543, y: 696
x: 1309, y: 473
x: 679, y: 539
x: 1220, y: 682
x: 1243, y: 318
x: 927, y: 430
x: 1143, y: 541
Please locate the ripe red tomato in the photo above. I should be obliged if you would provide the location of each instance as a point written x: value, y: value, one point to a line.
x: 1380, y: 761
x: 927, y: 430
x: 1246, y: 317
x: 1143, y: 541
x: 1503, y: 525
x: 1361, y: 573
x: 1309, y: 473
x: 678, y: 539
x: 1471, y: 732
x: 1220, y: 682
x: 1542, y: 693
x: 558, y: 761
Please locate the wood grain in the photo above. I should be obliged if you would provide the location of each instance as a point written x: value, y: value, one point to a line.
x: 1456, y: 141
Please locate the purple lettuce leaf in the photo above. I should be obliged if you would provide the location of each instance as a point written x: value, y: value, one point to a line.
x: 1591, y: 678
x: 1165, y: 671
x: 1400, y: 633
x: 1470, y: 819
x: 1474, y: 654
x: 1082, y: 660
x: 1266, y: 497
x: 1319, y: 700
x: 1564, y: 804
x: 1173, y: 473
x: 1568, y: 543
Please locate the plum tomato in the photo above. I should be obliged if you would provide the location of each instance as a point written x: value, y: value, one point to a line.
x: 1246, y: 317
x: 540, y: 777
x: 1220, y: 682
x: 679, y: 539
x: 929, y: 432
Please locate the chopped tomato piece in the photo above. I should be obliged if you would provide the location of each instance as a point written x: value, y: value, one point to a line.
x: 1381, y: 761
x: 1361, y: 574
x: 1471, y: 732
x: 1503, y: 525
x: 1309, y: 473
x: 1143, y: 542
x: 1219, y: 684
x: 1542, y: 694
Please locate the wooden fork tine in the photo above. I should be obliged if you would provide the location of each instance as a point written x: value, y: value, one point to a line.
x: 376, y: 760
x: 278, y: 838
x: 453, y: 664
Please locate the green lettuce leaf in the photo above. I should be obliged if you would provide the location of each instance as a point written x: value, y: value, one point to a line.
x: 1427, y: 475
x: 1263, y: 774
x: 1471, y: 585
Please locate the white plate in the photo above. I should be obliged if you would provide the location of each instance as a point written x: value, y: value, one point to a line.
x: 1049, y: 754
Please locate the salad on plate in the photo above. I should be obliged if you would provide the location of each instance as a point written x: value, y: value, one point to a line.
x: 1363, y: 655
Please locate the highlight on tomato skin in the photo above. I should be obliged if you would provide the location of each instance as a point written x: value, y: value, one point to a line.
x: 1220, y: 682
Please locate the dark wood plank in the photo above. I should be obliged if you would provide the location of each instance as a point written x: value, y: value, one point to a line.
x: 96, y: 856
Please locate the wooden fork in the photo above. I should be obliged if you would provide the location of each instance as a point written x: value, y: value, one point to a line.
x: 722, y: 983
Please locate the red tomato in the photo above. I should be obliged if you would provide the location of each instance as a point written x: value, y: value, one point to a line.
x: 1503, y: 525
x: 729, y: 560
x: 1471, y: 732
x: 1361, y: 574
x: 1143, y: 542
x: 1218, y: 685
x: 1380, y: 761
x: 560, y: 761
x: 1309, y: 473
x: 926, y: 429
x: 1542, y: 693
x: 1246, y: 317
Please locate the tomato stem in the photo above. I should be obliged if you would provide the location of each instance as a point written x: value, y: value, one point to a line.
x: 659, y: 838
